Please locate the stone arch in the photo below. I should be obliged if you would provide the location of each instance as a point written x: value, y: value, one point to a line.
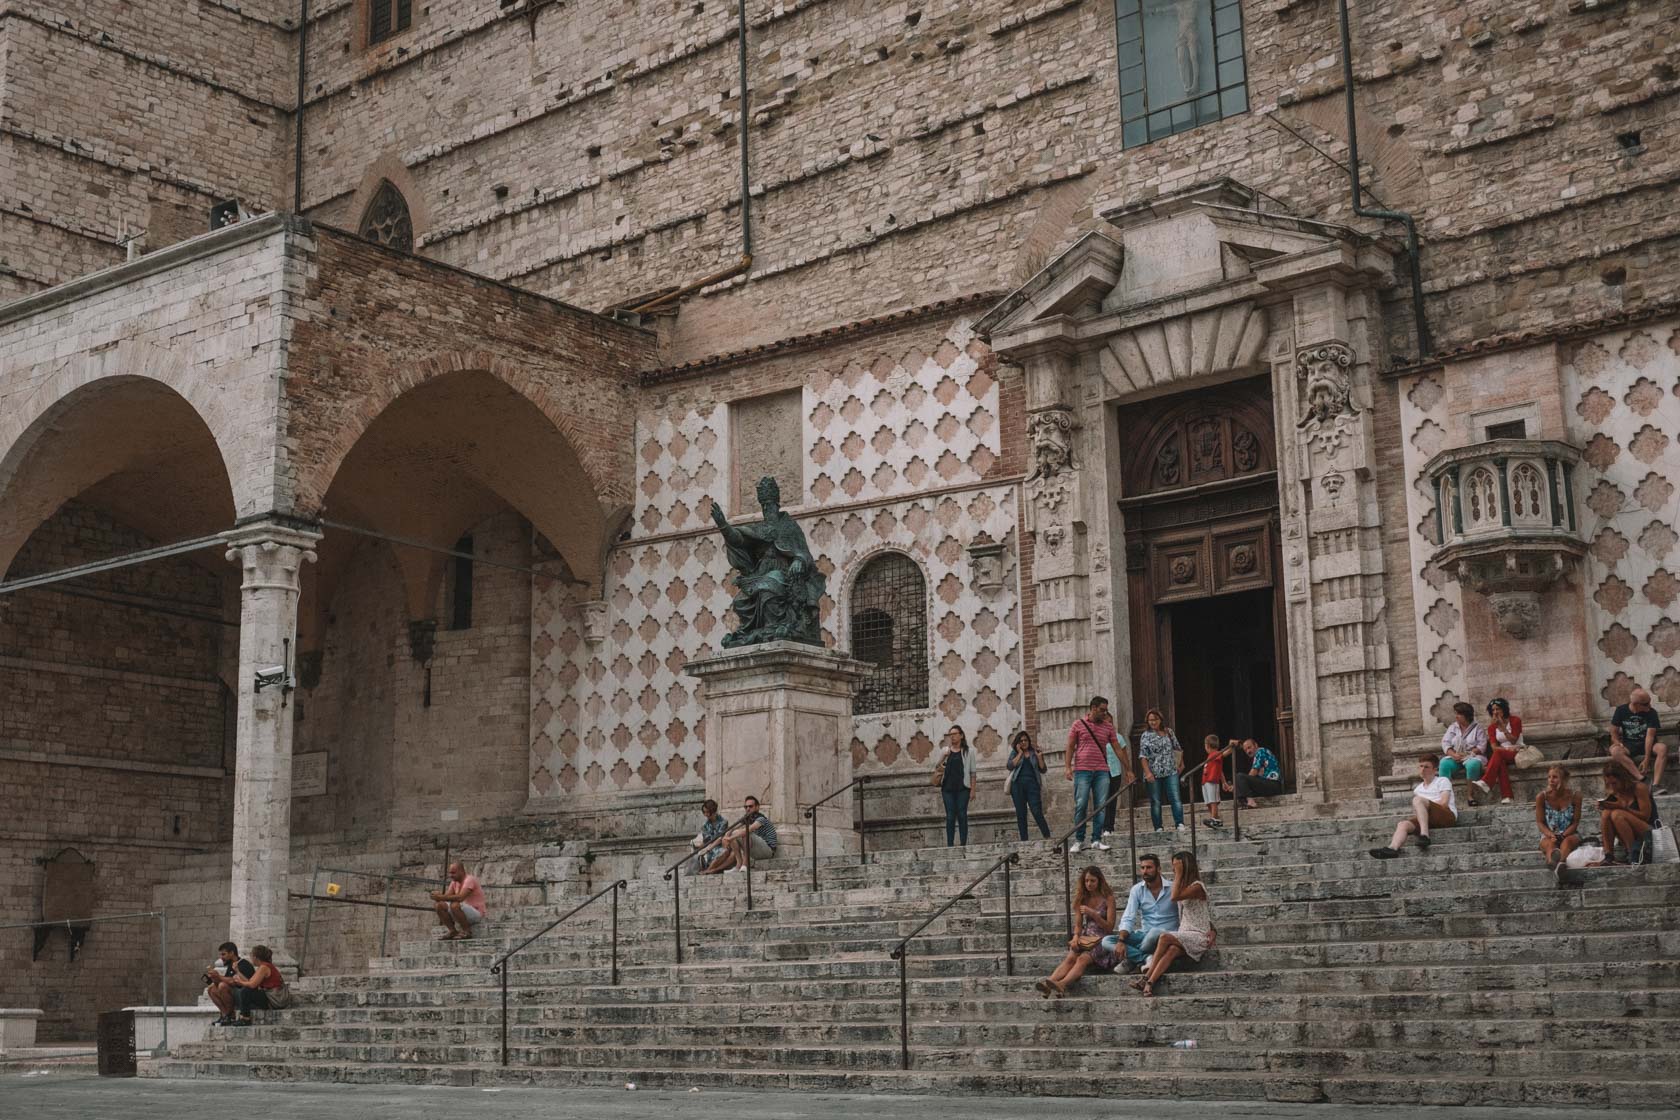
x: 887, y: 626
x: 386, y: 221
x: 447, y: 445
x: 390, y: 169
x: 130, y: 421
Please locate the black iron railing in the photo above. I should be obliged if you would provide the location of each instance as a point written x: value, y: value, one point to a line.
x: 500, y: 967
x: 901, y: 951
x: 673, y: 875
x: 863, y: 824
x: 1094, y: 816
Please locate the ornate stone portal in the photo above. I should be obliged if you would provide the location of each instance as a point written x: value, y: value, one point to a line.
x: 1193, y: 290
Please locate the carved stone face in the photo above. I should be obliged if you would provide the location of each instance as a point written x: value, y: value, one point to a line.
x: 1052, y: 441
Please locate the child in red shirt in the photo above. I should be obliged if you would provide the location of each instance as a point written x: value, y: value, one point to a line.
x: 1213, y: 777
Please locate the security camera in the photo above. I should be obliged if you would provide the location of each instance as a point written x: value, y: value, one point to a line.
x: 270, y: 676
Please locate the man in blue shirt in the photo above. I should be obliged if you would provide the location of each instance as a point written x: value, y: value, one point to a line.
x: 1264, y: 777
x: 1150, y: 912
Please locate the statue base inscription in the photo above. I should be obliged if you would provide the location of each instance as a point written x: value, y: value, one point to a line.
x: 779, y: 727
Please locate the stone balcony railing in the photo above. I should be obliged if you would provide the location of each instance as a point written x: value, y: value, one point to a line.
x: 1505, y: 519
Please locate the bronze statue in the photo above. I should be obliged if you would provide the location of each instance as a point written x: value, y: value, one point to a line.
x: 780, y: 588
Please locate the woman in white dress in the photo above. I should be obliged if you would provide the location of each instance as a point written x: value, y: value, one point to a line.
x: 1194, y: 935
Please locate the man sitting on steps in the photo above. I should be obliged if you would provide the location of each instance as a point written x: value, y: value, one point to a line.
x: 1150, y: 912
x: 1433, y: 806
x: 1633, y: 740
x: 219, y: 978
x: 460, y: 906
x: 757, y: 831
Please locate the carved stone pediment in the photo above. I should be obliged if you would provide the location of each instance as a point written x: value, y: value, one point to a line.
x: 1074, y: 284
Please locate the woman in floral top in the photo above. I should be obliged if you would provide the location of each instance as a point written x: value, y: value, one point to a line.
x: 1158, y: 747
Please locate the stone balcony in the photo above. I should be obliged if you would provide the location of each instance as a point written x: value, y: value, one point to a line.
x: 1506, y: 522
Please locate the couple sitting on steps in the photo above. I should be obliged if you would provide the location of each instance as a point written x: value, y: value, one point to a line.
x: 1163, y: 922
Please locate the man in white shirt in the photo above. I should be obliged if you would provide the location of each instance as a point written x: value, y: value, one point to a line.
x: 1433, y: 806
x: 1150, y: 912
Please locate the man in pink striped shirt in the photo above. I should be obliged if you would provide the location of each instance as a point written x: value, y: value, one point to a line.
x: 1087, y: 768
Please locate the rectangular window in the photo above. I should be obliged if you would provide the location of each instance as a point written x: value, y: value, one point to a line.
x: 1181, y: 65
x: 387, y: 17
x: 460, y: 586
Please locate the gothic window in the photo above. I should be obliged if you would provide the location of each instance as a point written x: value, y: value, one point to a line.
x: 889, y: 634
x: 387, y: 221
x: 387, y: 17
x: 1481, y: 495
x: 458, y: 586
x: 1181, y: 65
x: 1528, y: 495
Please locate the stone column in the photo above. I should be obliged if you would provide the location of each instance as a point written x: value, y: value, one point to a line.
x: 271, y: 552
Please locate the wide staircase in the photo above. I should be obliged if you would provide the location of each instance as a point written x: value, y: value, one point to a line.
x: 1463, y: 975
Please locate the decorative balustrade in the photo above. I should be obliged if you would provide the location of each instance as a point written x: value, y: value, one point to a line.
x: 1505, y: 519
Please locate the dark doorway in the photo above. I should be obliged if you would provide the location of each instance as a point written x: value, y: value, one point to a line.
x: 1224, y: 665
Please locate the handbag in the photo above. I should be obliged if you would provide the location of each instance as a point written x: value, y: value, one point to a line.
x: 1663, y: 848
x: 939, y: 773
x: 1528, y: 756
x: 281, y: 998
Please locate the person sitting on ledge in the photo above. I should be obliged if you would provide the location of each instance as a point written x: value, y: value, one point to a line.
x: 460, y: 906
x: 1150, y: 912
x: 755, y: 836
x: 219, y: 980
x: 1093, y: 918
x: 1504, y: 741
x: 1557, y: 810
x: 1264, y: 776
x: 1633, y: 739
x: 264, y: 989
x: 1625, y: 815
x: 1464, y: 747
x: 1433, y: 806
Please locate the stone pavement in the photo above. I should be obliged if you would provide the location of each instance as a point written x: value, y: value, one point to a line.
x: 82, y: 1095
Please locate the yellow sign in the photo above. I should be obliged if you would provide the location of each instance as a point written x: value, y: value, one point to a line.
x: 332, y: 888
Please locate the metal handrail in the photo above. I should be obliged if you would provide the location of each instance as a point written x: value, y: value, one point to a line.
x: 163, y: 950
x: 673, y: 875
x: 900, y: 952
x: 389, y: 877
x: 1096, y: 814
x: 863, y: 823
x: 499, y: 967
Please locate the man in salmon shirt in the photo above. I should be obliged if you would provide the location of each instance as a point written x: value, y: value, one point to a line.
x: 461, y: 906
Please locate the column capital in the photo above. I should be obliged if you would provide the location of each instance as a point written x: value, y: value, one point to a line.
x: 272, y: 551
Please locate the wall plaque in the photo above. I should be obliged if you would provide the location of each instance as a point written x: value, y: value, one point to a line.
x: 309, y: 774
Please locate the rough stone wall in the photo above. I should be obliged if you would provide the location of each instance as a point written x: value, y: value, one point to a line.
x: 394, y: 762
x: 121, y: 119
x: 904, y: 448
x: 910, y: 151
x: 113, y: 741
x: 1621, y: 400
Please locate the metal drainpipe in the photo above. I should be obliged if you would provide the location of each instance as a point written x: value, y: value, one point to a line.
x: 303, y: 53
x: 746, y: 182
x: 1425, y: 347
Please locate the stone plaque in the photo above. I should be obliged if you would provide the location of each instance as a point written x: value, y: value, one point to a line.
x: 768, y: 435
x: 309, y: 774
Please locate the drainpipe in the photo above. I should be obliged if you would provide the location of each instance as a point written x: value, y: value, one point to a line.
x: 1424, y: 345
x: 297, y: 165
x: 741, y: 128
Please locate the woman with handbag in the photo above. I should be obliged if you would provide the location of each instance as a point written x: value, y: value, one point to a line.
x: 955, y: 776
x: 1093, y: 919
x: 264, y: 989
x: 1504, y: 742
x: 1026, y: 763
x: 1158, y: 749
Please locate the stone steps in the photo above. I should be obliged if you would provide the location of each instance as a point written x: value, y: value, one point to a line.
x: 1336, y: 977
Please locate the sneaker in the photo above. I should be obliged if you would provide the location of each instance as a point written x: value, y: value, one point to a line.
x: 1481, y: 785
x: 1073, y: 848
x: 1384, y: 852
x: 1504, y: 800
x: 1179, y: 828
x: 1100, y: 846
x: 1127, y: 967
x: 1148, y: 963
x: 1214, y: 822
x: 1107, y: 834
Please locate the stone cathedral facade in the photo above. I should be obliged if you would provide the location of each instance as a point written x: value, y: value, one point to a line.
x: 1057, y: 324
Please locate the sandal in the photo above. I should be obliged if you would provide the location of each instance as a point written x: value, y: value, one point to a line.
x: 1139, y: 984
x: 1044, y: 988
x: 1149, y: 991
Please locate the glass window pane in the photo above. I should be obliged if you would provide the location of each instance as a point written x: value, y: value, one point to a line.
x: 1230, y: 73
x: 1131, y: 54
x: 1183, y: 116
x: 1131, y: 80
x: 1160, y: 124
x: 1207, y: 109
x: 1133, y: 133
x: 1131, y: 106
x: 1131, y: 27
x: 1226, y: 18
x: 1230, y: 46
x: 1233, y: 101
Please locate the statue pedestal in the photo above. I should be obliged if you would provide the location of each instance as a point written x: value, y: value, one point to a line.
x: 779, y: 727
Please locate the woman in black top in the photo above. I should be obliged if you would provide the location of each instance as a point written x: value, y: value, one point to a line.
x: 1026, y: 763
x: 955, y: 778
